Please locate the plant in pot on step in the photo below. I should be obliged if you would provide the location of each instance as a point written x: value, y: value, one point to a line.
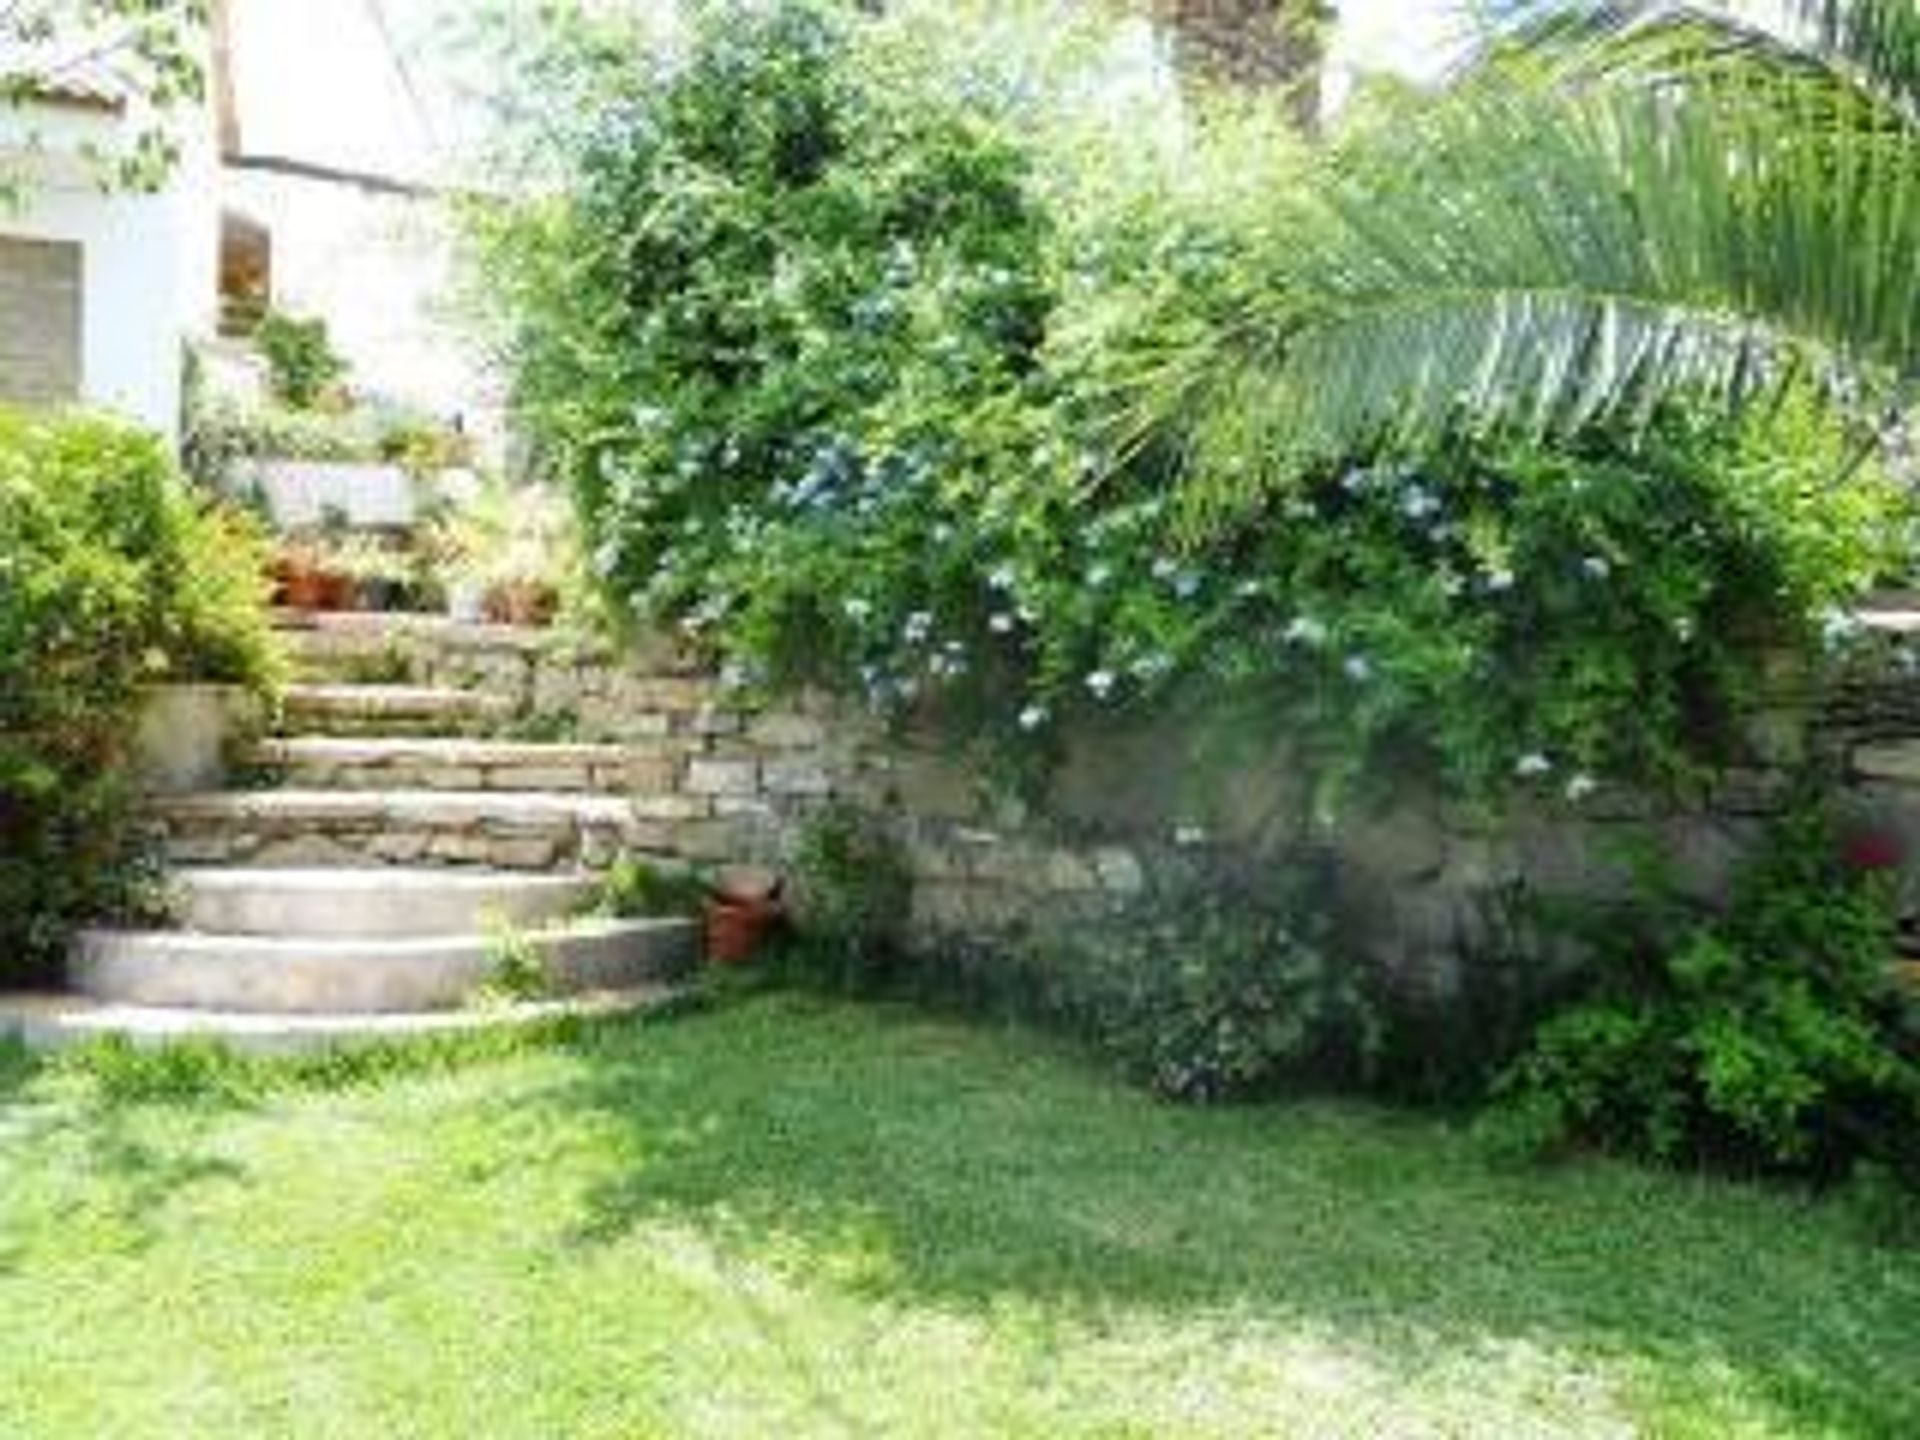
x: 504, y: 549
x: 742, y: 913
x: 308, y: 567
x: 382, y: 570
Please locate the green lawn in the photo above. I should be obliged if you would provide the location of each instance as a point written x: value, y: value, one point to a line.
x: 795, y: 1218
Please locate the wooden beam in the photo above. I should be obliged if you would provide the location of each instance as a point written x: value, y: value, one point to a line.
x: 332, y: 175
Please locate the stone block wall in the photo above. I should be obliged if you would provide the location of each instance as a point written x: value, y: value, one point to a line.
x: 727, y: 782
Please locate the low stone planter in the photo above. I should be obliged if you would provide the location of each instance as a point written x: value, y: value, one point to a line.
x: 187, y: 734
x: 302, y: 494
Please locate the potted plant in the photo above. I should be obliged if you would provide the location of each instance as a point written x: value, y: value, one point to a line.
x: 742, y: 911
x: 382, y: 572
x: 308, y: 575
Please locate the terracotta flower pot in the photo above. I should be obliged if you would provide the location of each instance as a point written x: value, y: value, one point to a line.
x: 738, y: 929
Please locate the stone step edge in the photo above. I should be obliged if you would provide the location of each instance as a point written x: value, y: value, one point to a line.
x: 398, y: 700
x: 422, y: 807
x: 49, y: 1023
x: 381, y: 625
x: 282, y: 975
x: 463, y: 752
x: 396, y: 902
x: 277, y: 949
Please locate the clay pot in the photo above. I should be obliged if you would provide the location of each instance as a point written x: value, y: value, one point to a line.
x: 522, y: 603
x: 304, y: 585
x: 738, y: 929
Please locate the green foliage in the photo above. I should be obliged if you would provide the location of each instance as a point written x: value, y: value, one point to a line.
x: 1637, y: 205
x: 839, y: 358
x: 222, y: 432
x: 633, y: 889
x: 516, y: 969
x: 851, y: 896
x: 300, y: 357
x: 152, y: 51
x: 1219, y: 989
x: 1774, y: 1035
x: 114, y: 579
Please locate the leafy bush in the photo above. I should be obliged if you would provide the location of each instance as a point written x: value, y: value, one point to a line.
x: 633, y: 889
x: 1218, y: 989
x: 851, y: 896
x: 830, y: 353
x: 113, y: 578
x: 300, y: 357
x: 1775, y: 1035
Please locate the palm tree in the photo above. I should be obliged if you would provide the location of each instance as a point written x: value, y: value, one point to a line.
x: 1254, y: 44
x: 1614, y: 204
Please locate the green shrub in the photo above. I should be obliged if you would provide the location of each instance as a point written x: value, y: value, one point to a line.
x: 113, y: 578
x: 1220, y: 988
x: 300, y: 358
x: 834, y: 357
x: 1775, y: 1035
x: 851, y: 896
x: 633, y: 889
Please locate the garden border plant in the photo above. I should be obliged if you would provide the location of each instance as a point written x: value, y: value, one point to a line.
x: 116, y: 578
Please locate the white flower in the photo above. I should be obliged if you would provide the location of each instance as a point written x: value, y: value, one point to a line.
x: 1099, y: 575
x: 1033, y: 717
x: 1580, y: 787
x: 919, y: 625
x: 1151, y: 667
x: 1186, y: 585
x: 1356, y: 481
x: 1500, y: 580
x: 1248, y: 589
x: 1308, y: 632
x: 1165, y: 569
x: 1532, y: 766
x: 1187, y: 836
x: 1002, y: 578
x: 1001, y: 624
x: 1596, y: 567
x: 1418, y: 505
x: 1838, y: 627
x: 1101, y: 683
x: 1359, y: 668
x: 858, y: 610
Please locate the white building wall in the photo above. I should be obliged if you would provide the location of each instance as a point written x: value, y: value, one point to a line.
x: 150, y: 263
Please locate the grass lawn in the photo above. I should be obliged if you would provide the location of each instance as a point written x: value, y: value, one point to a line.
x: 794, y: 1218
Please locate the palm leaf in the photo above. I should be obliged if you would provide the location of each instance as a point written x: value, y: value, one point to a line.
x: 1552, y: 249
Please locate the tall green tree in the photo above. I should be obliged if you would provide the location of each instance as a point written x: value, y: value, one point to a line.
x: 1613, y: 204
x: 146, y: 57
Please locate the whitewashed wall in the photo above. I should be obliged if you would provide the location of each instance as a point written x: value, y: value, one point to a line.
x: 149, y: 268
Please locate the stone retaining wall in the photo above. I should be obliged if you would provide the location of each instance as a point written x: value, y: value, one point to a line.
x: 732, y: 783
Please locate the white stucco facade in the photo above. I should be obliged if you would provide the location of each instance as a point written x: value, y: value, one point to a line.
x: 148, y: 261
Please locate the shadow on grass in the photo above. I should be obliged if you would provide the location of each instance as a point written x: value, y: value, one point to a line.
x: 928, y: 1162
x: 110, y: 1134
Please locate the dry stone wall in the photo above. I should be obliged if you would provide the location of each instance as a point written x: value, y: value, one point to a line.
x: 728, y: 782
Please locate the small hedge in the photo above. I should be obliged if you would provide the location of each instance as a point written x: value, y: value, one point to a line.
x: 111, y: 578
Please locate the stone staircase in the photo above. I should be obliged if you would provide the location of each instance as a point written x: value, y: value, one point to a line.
x: 396, y: 847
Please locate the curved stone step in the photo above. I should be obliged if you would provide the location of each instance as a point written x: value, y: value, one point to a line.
x: 258, y: 975
x: 309, y: 829
x: 393, y: 710
x: 393, y: 903
x: 429, y: 763
x: 58, y: 1022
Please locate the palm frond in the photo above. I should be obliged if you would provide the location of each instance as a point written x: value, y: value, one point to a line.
x: 1539, y: 254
